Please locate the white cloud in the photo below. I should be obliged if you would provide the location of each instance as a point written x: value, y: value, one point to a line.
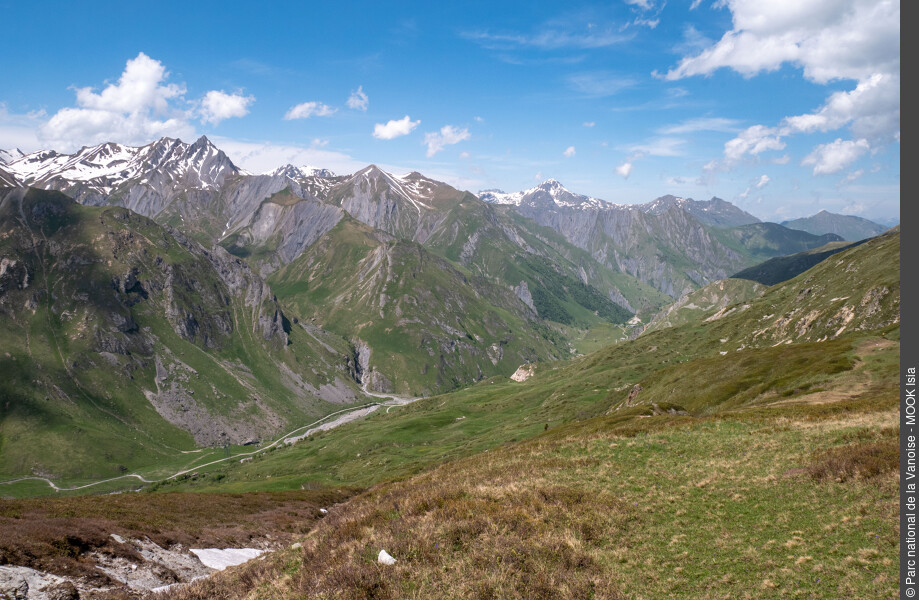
x: 759, y: 184
x: 872, y: 108
x: 448, y: 135
x: 835, y: 156
x: 753, y: 141
x: 665, y: 146
x: 393, y: 129
x: 139, y: 87
x: 569, y: 151
x: 319, y: 143
x: 853, y: 176
x: 589, y: 123
x: 464, y: 155
x: 830, y: 39
x: 264, y: 157
x: 553, y: 36
x: 700, y: 124
x: 625, y: 169
x: 358, y: 100
x: 218, y: 105
x: 138, y: 108
x: 642, y: 4
x: 695, y: 4
x: 479, y: 119
x: 305, y: 110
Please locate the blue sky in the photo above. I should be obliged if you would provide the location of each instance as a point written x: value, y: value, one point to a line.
x: 784, y: 107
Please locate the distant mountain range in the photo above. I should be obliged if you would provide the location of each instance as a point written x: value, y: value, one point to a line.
x: 848, y: 227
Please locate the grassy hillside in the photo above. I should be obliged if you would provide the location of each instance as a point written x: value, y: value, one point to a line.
x: 831, y: 332
x: 748, y: 454
x: 661, y: 467
x: 417, y: 323
x: 125, y: 344
x: 783, y: 268
x: 772, y: 504
x: 705, y: 302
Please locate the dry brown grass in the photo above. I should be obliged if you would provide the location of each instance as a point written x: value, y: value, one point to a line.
x: 519, y: 536
x: 860, y: 460
x: 56, y: 534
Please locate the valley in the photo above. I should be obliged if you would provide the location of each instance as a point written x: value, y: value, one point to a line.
x: 179, y: 330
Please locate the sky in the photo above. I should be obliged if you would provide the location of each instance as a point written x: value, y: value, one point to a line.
x: 783, y: 107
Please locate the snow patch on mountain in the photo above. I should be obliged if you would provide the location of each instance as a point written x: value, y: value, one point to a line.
x: 559, y: 194
x: 105, y: 167
x: 8, y: 156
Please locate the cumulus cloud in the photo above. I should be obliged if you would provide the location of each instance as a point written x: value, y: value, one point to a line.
x: 829, y: 40
x: 139, y: 107
x: 752, y: 141
x: 448, y: 135
x: 625, y: 169
x: 832, y: 39
x: 872, y: 109
x: 358, y: 100
x: 835, y: 156
x: 306, y: 110
x: 763, y: 182
x: 395, y: 128
x: 139, y: 87
x: 218, y: 105
x: 569, y: 151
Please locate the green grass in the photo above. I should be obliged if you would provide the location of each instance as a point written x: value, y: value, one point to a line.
x: 682, y: 508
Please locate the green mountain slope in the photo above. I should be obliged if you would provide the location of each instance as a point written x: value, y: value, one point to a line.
x: 830, y: 335
x: 704, y: 302
x: 783, y: 268
x: 125, y: 343
x: 417, y: 323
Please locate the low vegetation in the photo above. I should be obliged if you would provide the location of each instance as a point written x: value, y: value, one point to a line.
x: 664, y: 507
x: 57, y: 534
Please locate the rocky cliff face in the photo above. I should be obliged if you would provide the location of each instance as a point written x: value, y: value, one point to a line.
x: 671, y: 251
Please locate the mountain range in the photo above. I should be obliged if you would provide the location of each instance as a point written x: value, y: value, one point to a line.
x: 169, y: 321
x: 368, y: 282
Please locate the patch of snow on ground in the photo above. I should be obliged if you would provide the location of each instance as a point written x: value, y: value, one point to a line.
x: 216, y: 558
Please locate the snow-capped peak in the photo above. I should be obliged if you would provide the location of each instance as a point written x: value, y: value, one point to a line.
x: 664, y: 203
x: 411, y: 187
x: 292, y: 172
x: 106, y: 166
x: 548, y: 193
x: 8, y: 156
